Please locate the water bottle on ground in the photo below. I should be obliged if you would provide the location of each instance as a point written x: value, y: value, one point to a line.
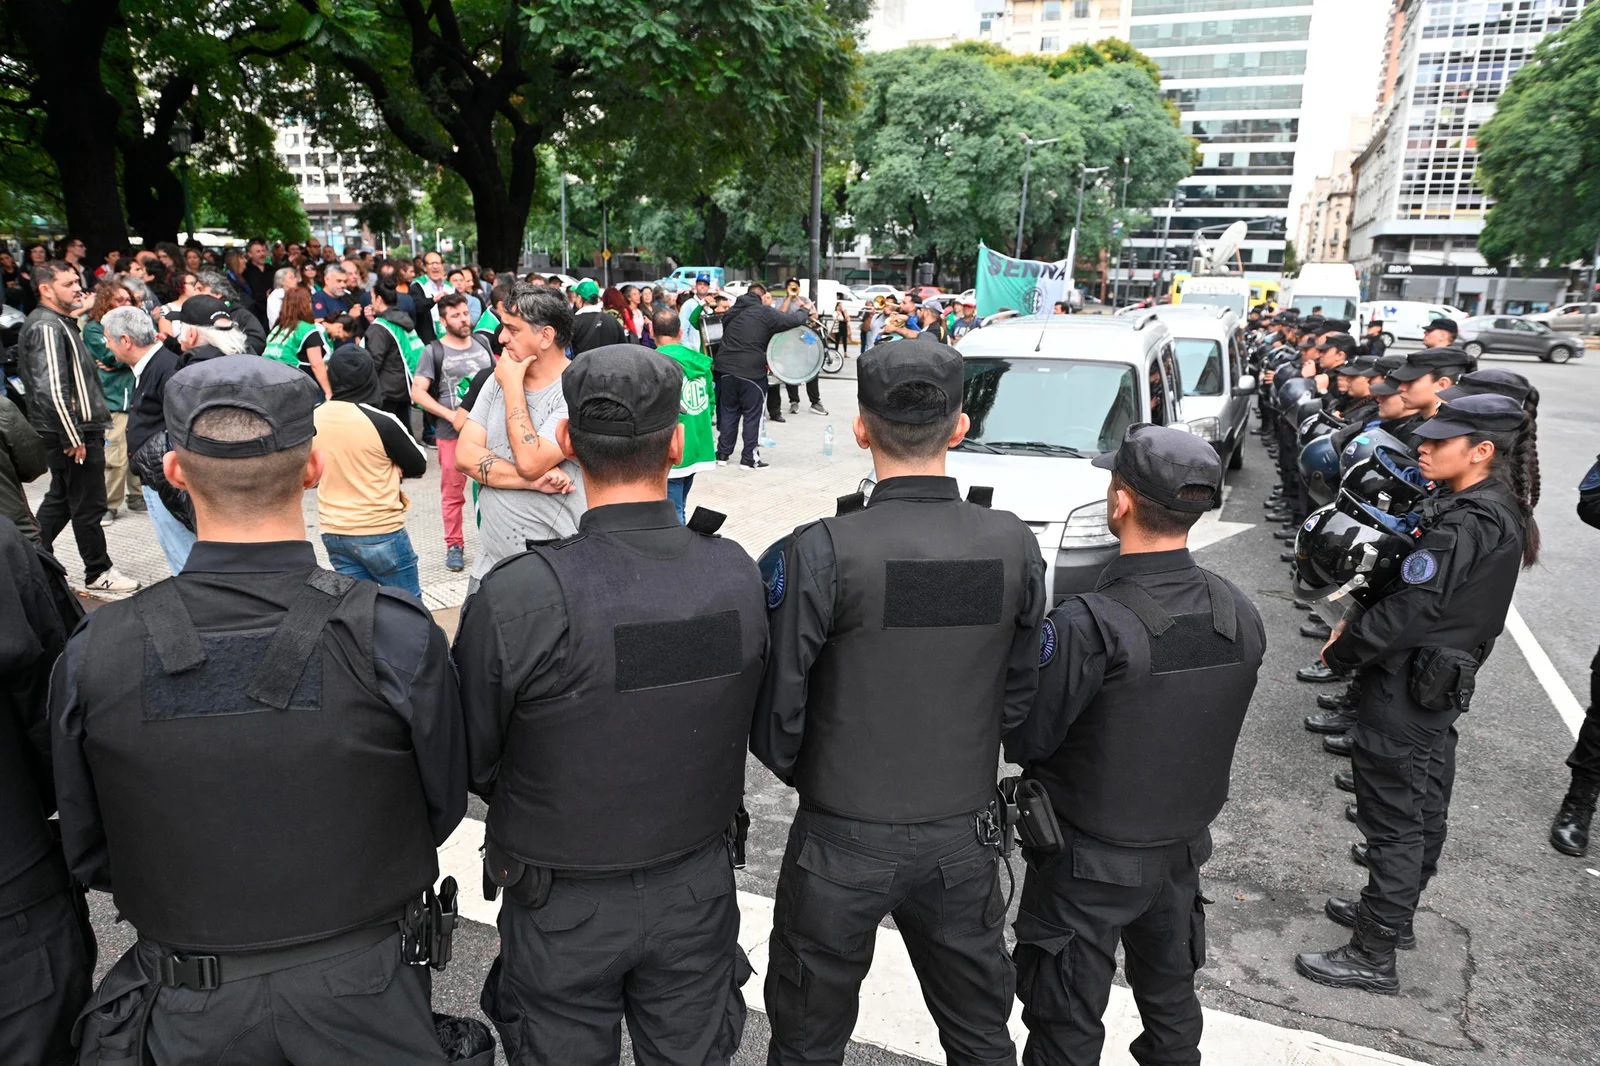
x: 827, y: 440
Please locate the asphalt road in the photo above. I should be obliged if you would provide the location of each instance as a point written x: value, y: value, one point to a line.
x: 1510, y: 931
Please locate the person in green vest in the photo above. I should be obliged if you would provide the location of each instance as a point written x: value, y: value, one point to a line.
x: 488, y: 328
x: 392, y: 341
x: 694, y: 412
x: 297, y: 340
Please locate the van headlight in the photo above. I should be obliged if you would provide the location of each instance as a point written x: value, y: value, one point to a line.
x: 1209, y: 429
x: 1086, y: 527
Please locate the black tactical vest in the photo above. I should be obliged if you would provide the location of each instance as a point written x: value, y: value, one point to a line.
x: 1147, y: 762
x: 640, y: 759
x: 256, y: 789
x: 30, y: 865
x: 1478, y: 607
x: 904, y: 702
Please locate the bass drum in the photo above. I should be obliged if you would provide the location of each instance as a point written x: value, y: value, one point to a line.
x: 794, y: 356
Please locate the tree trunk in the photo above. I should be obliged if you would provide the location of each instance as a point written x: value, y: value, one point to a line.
x: 154, y: 193
x: 80, y: 116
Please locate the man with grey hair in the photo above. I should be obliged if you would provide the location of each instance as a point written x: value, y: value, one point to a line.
x: 213, y: 282
x: 134, y: 342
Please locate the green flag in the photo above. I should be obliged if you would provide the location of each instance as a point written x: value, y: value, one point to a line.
x: 1026, y: 286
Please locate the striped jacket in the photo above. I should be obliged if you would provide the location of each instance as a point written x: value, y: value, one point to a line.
x: 64, y: 400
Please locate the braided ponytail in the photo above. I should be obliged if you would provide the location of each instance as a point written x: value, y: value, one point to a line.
x: 1516, y: 464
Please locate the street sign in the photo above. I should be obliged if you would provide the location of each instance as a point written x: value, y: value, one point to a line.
x: 447, y: 245
x: 606, y: 255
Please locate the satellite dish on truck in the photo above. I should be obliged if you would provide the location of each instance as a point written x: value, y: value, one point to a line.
x: 1214, y: 258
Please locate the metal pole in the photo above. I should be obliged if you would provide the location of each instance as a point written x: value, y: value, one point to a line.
x: 1122, y: 212
x: 563, y: 222
x: 605, y: 244
x: 1588, y: 296
x: 816, y: 213
x: 1022, y: 208
x: 1166, y: 231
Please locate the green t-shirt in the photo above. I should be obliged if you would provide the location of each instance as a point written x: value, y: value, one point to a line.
x: 694, y: 412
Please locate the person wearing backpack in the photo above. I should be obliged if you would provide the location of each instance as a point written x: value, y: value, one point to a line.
x: 391, y: 340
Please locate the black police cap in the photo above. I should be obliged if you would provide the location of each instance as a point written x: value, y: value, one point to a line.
x: 1484, y: 413
x: 1339, y: 342
x: 1448, y: 361
x: 646, y: 384
x: 1362, y: 366
x: 282, y: 395
x: 1493, y: 380
x: 925, y: 360
x: 1158, y: 463
x: 1446, y: 324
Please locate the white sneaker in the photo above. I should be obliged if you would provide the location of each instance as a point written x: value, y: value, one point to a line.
x: 109, y: 517
x: 722, y: 462
x: 111, y: 581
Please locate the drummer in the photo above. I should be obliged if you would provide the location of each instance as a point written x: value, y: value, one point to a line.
x: 740, y: 368
x: 791, y: 300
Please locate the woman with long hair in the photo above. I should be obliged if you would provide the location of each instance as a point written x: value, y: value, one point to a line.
x: 614, y: 304
x: 1418, y: 650
x: 295, y: 338
x: 116, y: 381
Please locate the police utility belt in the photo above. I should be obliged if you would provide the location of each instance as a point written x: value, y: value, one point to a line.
x: 1444, y: 679
x: 427, y: 933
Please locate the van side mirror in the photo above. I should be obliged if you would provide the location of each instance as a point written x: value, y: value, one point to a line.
x: 1245, y: 386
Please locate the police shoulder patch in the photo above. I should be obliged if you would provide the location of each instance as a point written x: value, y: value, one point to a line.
x: 772, y: 574
x: 1418, y: 567
x: 1591, y: 480
x: 1047, y: 642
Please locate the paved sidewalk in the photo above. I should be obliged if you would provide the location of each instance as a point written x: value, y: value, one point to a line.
x: 761, y: 505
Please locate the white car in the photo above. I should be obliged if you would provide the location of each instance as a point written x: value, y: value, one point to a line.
x: 1046, y: 396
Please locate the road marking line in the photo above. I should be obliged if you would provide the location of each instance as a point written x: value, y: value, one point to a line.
x: 1567, y: 705
x: 894, y: 1017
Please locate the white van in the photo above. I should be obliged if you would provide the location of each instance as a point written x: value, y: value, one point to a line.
x: 1404, y: 320
x: 1329, y: 289
x: 1216, y: 386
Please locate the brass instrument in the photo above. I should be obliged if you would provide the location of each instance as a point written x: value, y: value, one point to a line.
x: 794, y: 288
x: 879, y: 302
x: 895, y: 321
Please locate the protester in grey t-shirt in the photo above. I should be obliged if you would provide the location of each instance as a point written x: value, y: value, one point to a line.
x: 509, y: 518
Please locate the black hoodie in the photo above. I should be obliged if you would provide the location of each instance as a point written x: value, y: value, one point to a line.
x: 747, y: 327
x: 388, y: 361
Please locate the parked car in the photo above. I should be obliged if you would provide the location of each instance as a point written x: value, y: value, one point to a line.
x: 1047, y: 395
x: 888, y: 291
x: 1216, y: 388
x: 1570, y: 318
x: 1504, y: 335
x: 683, y: 278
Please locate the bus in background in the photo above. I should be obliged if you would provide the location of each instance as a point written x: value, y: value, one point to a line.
x: 1261, y: 289
x: 1329, y: 289
x: 1214, y: 291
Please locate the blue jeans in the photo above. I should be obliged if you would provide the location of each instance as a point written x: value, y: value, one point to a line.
x: 386, y: 558
x: 678, y: 492
x: 173, y: 536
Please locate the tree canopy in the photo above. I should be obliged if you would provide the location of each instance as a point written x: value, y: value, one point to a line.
x: 1539, y: 156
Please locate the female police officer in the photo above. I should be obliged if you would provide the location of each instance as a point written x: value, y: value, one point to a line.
x: 1418, y: 649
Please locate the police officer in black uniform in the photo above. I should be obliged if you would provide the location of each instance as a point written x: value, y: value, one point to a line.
x: 610, y: 680
x: 1143, y: 688
x: 47, y: 949
x: 258, y: 759
x: 904, y: 641
x: 1418, y: 650
x: 1373, y: 343
x: 1569, y: 833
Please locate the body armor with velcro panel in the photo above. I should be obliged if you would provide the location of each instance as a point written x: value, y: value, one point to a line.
x: 257, y: 790
x: 640, y: 758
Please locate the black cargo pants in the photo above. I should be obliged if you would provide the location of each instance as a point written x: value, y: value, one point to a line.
x: 363, y: 1005
x: 47, y: 954
x: 1076, y: 906
x: 658, y: 946
x: 1404, y: 759
x: 1585, y: 758
x: 840, y: 878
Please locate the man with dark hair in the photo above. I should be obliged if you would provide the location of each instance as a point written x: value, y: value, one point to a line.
x: 1440, y: 333
x: 67, y: 408
x: 213, y: 282
x: 445, y: 372
x: 1374, y: 344
x: 396, y: 352
x: 905, y: 640
x: 639, y: 644
x: 740, y: 366
x: 314, y: 716
x: 530, y: 490
x: 1143, y: 688
x: 487, y: 328
x: 257, y: 277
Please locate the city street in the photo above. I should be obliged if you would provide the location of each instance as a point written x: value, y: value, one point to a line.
x: 1505, y: 969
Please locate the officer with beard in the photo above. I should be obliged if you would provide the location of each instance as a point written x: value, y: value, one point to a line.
x: 258, y: 759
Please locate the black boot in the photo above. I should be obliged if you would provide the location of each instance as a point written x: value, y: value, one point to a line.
x: 1316, y: 629
x: 1317, y: 673
x: 1345, y: 780
x: 1366, y: 963
x: 1337, y: 701
x: 1358, y: 854
x: 1333, y: 722
x: 1349, y: 812
x: 1339, y: 745
x: 1570, y: 832
x: 1343, y: 911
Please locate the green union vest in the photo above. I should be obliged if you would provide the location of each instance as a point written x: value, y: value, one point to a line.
x: 410, y: 344
x: 284, y: 345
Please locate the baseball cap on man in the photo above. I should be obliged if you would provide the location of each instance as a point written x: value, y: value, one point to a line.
x: 1448, y: 361
x: 284, y: 396
x: 1159, y: 463
x: 648, y: 385
x: 1446, y: 324
x: 207, y: 311
x: 924, y: 360
x: 703, y: 276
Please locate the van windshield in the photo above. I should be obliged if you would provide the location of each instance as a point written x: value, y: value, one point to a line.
x: 1233, y: 301
x: 1200, y: 362
x: 1040, y: 405
x: 1327, y: 306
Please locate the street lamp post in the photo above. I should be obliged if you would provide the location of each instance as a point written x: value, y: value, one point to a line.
x: 182, y: 140
x: 1029, y: 144
x: 1166, y: 230
x: 1122, y: 213
x: 1083, y: 177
